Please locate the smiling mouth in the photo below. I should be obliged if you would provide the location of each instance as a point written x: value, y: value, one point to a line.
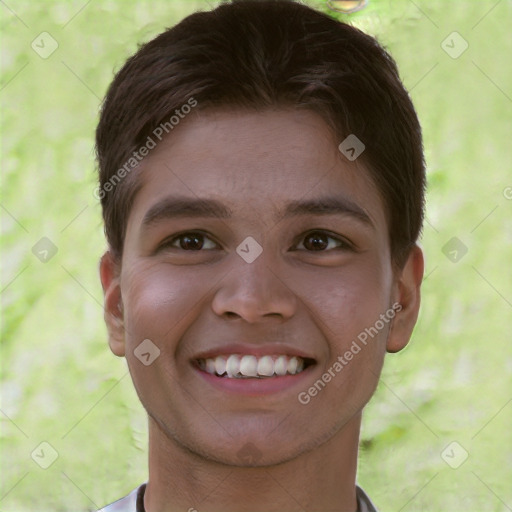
x: 237, y: 366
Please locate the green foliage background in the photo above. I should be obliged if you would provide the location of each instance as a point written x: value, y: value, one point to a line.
x: 62, y: 385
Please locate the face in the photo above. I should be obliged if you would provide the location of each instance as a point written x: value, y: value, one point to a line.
x: 254, y: 249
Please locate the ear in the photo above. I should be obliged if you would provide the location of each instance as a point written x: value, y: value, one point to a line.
x: 407, y: 294
x: 113, y: 307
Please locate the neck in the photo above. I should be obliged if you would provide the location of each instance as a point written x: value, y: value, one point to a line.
x: 321, y: 479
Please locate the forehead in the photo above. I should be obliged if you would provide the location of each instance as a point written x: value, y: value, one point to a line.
x: 254, y: 163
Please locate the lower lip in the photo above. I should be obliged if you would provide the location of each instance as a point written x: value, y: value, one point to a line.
x: 255, y: 387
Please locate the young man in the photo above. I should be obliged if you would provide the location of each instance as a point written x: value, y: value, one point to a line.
x: 262, y: 183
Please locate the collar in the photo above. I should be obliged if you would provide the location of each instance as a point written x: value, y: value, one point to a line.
x: 134, y: 502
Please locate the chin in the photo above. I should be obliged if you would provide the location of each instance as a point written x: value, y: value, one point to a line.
x: 251, y: 454
x: 249, y: 447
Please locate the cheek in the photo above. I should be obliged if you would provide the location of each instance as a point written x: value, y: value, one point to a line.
x: 158, y: 300
x: 346, y: 300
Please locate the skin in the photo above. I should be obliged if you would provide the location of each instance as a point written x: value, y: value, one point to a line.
x: 188, y: 301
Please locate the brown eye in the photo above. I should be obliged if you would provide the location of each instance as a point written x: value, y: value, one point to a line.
x: 319, y: 241
x: 190, y: 241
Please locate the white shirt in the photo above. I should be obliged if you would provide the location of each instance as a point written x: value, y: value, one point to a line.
x: 134, y: 502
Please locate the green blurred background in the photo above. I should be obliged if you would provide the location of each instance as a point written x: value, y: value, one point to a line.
x: 61, y: 384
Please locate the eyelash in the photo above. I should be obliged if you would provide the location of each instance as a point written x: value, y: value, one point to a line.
x: 343, y: 244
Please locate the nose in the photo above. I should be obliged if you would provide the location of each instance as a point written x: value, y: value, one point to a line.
x: 254, y: 291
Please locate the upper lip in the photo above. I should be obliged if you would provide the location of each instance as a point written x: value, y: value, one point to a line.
x: 268, y: 349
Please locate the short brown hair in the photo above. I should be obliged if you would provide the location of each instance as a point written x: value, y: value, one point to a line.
x: 256, y: 55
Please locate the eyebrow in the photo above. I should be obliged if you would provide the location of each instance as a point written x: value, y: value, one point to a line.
x: 180, y: 207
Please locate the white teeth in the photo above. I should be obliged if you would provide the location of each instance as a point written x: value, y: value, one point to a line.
x: 249, y: 366
x: 210, y: 366
x: 220, y: 365
x: 281, y: 365
x: 292, y: 365
x: 232, y: 365
x: 266, y: 366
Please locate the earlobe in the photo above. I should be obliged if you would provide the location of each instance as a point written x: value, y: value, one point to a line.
x: 408, y: 295
x: 113, y: 305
